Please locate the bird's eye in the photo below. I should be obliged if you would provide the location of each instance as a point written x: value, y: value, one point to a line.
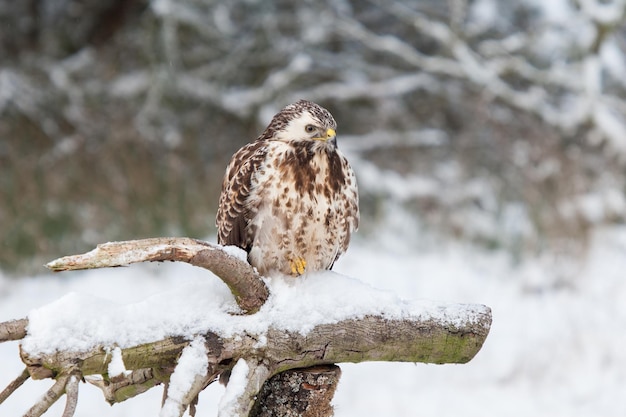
x: 309, y: 128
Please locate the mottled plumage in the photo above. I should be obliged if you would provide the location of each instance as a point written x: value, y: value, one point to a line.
x: 290, y: 198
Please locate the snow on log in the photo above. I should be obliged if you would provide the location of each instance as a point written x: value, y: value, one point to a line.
x: 440, y: 334
x: 304, y: 308
x: 305, y: 322
x: 371, y: 338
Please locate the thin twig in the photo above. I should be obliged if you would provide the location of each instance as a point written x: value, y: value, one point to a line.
x: 53, y: 394
x: 126, y: 385
x: 192, y: 406
x: 71, y: 390
x: 15, y: 384
x: 166, y: 386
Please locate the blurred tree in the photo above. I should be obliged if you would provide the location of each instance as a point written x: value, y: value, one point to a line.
x: 501, y: 122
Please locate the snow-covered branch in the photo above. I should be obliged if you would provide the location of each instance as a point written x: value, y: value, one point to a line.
x: 302, y: 324
x: 452, y: 334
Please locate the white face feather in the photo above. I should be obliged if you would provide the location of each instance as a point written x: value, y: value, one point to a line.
x: 295, y: 129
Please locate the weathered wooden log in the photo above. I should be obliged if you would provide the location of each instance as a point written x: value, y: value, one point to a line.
x: 429, y: 340
x: 353, y: 340
x: 274, y: 364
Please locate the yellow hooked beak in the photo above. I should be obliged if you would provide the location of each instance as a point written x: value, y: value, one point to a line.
x: 330, y: 134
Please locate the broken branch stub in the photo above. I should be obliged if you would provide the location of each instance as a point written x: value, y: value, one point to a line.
x: 244, y: 282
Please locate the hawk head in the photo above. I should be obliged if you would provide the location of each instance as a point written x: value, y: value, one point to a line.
x: 302, y: 121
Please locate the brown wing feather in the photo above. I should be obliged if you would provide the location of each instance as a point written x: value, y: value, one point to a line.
x: 233, y: 211
x: 350, y: 200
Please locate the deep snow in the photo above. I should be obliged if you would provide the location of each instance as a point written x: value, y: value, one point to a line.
x: 557, y: 345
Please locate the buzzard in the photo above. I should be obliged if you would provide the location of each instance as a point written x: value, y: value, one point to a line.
x: 290, y: 198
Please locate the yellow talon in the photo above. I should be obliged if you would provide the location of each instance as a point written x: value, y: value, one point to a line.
x: 297, y: 266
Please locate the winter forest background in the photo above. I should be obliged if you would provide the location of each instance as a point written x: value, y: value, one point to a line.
x: 488, y: 138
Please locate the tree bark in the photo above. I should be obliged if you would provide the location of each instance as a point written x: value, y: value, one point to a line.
x: 304, y: 392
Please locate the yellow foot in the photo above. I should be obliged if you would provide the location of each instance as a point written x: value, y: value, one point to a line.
x: 297, y: 266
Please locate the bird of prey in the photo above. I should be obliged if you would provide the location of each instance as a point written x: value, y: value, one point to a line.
x: 290, y: 198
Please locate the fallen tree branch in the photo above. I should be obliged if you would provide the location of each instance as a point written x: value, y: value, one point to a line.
x: 428, y: 340
x: 454, y: 336
x: 394, y: 331
x: 244, y: 282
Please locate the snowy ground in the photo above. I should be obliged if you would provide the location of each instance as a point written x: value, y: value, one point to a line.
x: 554, y: 350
